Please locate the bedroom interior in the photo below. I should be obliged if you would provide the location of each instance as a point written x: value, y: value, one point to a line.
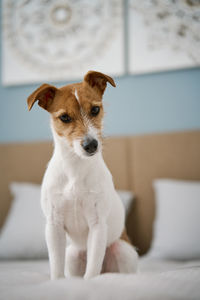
x: 152, y: 147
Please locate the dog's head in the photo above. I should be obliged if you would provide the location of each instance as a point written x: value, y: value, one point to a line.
x: 76, y: 111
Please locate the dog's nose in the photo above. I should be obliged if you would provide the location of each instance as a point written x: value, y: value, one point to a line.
x: 90, y: 145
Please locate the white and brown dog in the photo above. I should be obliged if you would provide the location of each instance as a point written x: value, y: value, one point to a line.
x: 78, y: 195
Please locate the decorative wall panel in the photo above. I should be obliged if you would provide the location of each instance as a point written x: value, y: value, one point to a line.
x: 50, y: 40
x: 163, y: 34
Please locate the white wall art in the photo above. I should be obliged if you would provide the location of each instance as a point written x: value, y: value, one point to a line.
x: 53, y: 40
x: 163, y: 35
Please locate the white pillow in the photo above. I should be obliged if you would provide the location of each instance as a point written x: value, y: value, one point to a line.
x: 23, y: 233
x: 127, y: 199
x: 176, y: 233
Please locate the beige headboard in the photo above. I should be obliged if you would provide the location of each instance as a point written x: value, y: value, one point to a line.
x: 133, y: 161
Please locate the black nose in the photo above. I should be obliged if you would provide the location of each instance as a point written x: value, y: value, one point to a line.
x: 90, y: 145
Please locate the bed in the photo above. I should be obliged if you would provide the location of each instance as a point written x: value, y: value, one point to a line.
x: 136, y: 163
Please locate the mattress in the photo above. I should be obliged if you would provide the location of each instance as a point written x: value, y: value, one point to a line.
x: 157, y: 279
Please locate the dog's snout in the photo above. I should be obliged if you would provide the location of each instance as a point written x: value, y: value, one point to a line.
x: 90, y: 145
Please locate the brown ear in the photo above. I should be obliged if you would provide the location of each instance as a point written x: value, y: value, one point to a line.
x: 98, y: 80
x: 44, y: 94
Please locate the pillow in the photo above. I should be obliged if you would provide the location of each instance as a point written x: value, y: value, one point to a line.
x: 176, y: 233
x: 127, y: 199
x: 23, y: 233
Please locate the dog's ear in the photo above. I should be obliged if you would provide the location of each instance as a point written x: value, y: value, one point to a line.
x: 98, y: 81
x: 44, y: 94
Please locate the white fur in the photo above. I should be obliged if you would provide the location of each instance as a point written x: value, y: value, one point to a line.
x: 78, y: 198
x: 76, y: 96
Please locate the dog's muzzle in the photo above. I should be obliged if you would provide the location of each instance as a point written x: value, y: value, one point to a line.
x: 90, y: 145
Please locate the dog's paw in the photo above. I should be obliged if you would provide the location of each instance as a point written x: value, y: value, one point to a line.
x: 88, y: 276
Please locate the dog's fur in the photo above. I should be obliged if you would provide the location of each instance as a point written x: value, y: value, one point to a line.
x: 78, y: 195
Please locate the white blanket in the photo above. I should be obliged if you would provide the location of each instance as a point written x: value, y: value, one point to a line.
x: 156, y: 280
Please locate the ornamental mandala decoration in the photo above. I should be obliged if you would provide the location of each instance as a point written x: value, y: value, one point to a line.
x: 61, y: 39
x: 163, y: 34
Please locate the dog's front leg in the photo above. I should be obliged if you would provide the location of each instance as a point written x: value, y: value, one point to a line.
x: 96, y: 248
x: 56, y: 243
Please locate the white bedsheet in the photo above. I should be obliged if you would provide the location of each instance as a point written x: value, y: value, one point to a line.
x: 162, y: 280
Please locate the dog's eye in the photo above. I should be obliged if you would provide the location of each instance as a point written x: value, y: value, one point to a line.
x: 95, y: 110
x: 65, y: 118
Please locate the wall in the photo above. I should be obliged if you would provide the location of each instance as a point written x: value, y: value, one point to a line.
x: 167, y: 101
x: 140, y: 104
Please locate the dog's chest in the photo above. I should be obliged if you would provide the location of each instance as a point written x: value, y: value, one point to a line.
x: 75, y: 221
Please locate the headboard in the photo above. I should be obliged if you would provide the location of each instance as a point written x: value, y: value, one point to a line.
x: 134, y: 162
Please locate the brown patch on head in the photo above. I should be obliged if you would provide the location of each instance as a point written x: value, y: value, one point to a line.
x: 63, y: 101
x: 77, y: 104
x: 67, y: 105
x: 88, y: 98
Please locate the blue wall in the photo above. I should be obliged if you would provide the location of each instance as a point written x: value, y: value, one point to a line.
x: 140, y: 104
x: 159, y: 102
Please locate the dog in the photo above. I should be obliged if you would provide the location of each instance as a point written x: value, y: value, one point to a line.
x: 78, y: 197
